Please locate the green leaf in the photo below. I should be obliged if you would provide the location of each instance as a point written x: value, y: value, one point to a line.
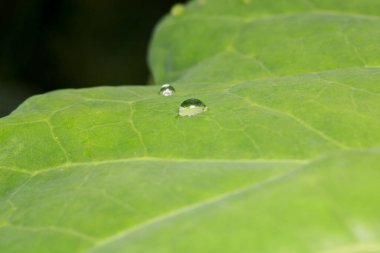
x: 285, y: 159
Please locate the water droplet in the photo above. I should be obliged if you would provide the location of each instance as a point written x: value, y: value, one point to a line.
x: 191, y: 107
x: 167, y: 90
x: 177, y: 10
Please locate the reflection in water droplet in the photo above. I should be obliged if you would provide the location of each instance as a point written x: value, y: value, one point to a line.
x: 191, y: 107
x: 167, y: 90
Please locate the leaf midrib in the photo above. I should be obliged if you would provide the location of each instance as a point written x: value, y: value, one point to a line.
x: 299, y: 164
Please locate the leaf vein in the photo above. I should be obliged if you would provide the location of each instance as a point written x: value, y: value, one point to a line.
x: 190, y: 208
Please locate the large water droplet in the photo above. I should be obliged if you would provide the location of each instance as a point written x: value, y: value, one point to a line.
x: 167, y: 90
x: 191, y: 107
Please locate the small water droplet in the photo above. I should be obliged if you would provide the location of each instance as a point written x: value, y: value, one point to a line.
x: 167, y: 90
x: 191, y: 107
x: 177, y: 9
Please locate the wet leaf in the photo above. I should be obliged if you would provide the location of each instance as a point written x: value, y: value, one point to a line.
x: 285, y: 159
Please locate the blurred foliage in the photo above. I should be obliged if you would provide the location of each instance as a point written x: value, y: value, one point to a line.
x: 47, y: 45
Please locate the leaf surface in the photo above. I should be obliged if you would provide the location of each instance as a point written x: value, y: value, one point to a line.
x: 286, y: 158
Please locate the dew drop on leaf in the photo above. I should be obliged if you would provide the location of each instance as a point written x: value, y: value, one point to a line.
x: 177, y: 10
x: 191, y: 107
x: 167, y: 90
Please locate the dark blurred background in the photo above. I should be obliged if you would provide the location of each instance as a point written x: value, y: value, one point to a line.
x: 54, y: 44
